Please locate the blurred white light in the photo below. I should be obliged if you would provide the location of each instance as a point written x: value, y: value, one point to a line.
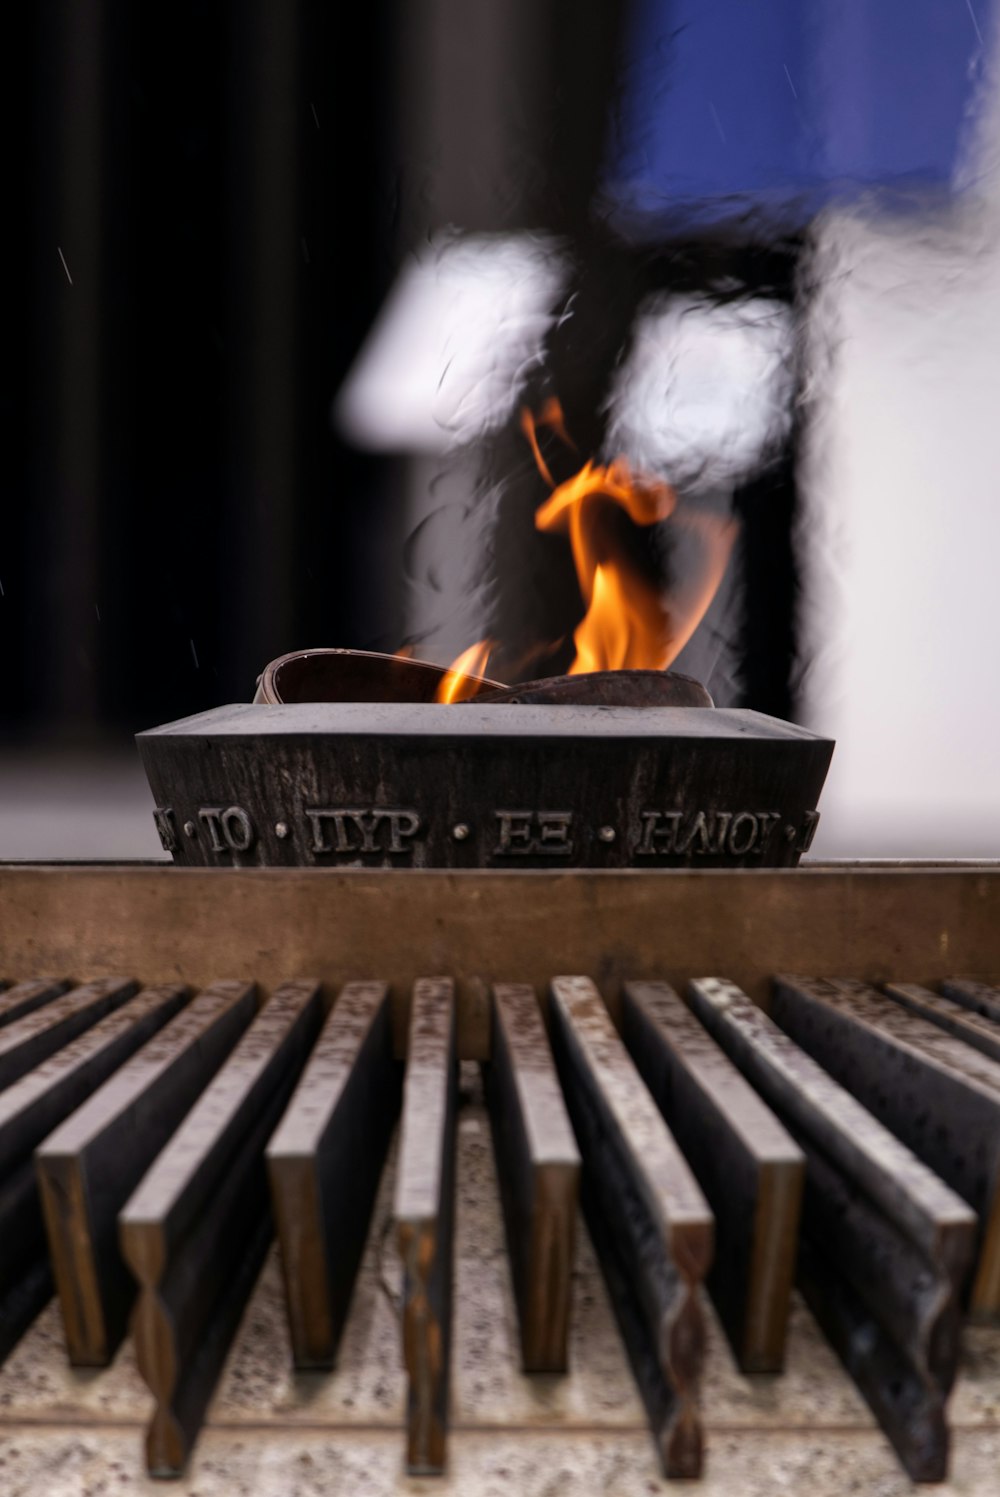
x: 705, y: 393
x: 448, y: 354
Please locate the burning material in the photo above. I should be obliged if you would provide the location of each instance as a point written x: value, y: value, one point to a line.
x: 465, y: 677
x: 550, y: 415
x: 630, y: 623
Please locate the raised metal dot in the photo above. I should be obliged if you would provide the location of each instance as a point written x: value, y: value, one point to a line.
x: 607, y: 833
x: 460, y: 831
x: 190, y: 829
x: 790, y: 833
x: 281, y: 828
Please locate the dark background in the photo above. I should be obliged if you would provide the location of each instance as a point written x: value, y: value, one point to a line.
x: 232, y: 187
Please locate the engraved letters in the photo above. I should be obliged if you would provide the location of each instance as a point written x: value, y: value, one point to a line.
x: 705, y: 833
x: 533, y: 834
x: 164, y: 818
x: 229, y: 828
x: 379, y: 832
x: 361, y: 831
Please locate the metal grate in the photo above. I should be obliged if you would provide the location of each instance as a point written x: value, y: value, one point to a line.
x: 151, y: 1137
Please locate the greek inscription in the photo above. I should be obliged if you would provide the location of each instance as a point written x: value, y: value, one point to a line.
x: 237, y: 828
x: 164, y: 818
x: 659, y: 832
x: 766, y: 823
x: 533, y: 834
x: 743, y: 833
x: 810, y: 821
x: 229, y: 828
x: 704, y: 833
x: 359, y: 830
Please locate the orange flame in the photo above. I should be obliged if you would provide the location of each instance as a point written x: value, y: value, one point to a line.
x: 629, y: 623
x: 550, y: 415
x: 462, y: 678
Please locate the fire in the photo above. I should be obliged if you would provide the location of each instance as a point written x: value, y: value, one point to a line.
x: 550, y: 415
x: 461, y: 681
x: 630, y: 623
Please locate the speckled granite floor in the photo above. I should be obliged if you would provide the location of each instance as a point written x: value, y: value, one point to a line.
x: 274, y: 1433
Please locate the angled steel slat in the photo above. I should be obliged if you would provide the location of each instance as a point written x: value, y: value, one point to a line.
x: 937, y: 1093
x: 29, y: 1040
x: 195, y: 1230
x: 29, y: 1110
x: 538, y: 1170
x: 24, y: 997
x: 977, y: 1030
x: 886, y: 1242
x: 649, y: 1222
x: 324, y: 1163
x: 89, y: 1166
x: 747, y: 1164
x: 424, y: 1212
x: 980, y: 997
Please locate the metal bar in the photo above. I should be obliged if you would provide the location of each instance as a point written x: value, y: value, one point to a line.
x: 324, y: 1163
x: 745, y: 1161
x: 538, y: 1168
x: 981, y: 1033
x: 28, y: 1041
x: 24, y: 997
x: 935, y: 1092
x: 90, y: 1165
x: 981, y: 997
x: 195, y: 1230
x: 910, y: 1411
x: 887, y: 1242
x: 29, y: 1110
x: 424, y: 1211
x: 384, y: 923
x: 647, y: 1217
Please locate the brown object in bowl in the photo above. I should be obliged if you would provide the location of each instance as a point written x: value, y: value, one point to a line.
x: 329, y: 675
x: 332, y: 675
x: 636, y: 688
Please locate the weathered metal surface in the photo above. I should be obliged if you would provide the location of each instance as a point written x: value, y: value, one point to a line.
x: 747, y: 1164
x: 955, y: 1018
x: 887, y: 1243
x: 324, y: 1163
x: 357, y: 923
x: 538, y: 1168
x: 649, y: 1222
x: 29, y: 1109
x: 90, y: 1165
x: 424, y: 786
x: 195, y: 1230
x: 29, y: 1040
x: 911, y: 1408
x: 935, y: 1092
x: 24, y: 997
x: 981, y: 997
x: 424, y: 1211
